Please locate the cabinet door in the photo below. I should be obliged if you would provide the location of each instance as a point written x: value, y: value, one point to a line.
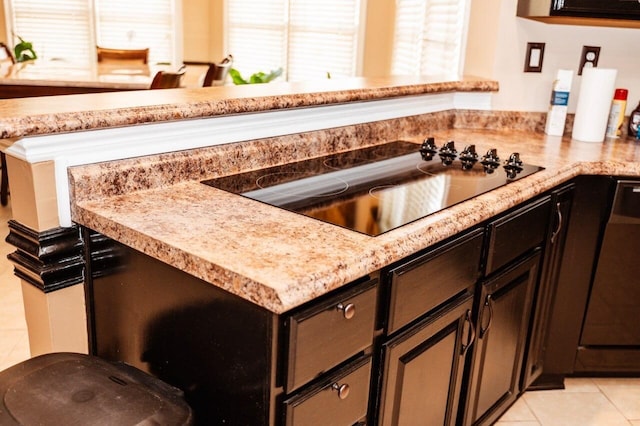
x: 622, y: 9
x: 502, y: 324
x: 423, y: 366
x: 561, y: 201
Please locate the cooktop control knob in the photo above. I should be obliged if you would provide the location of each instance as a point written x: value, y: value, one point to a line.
x: 448, y: 153
x: 428, y: 149
x: 490, y: 161
x: 513, y: 165
x: 468, y: 157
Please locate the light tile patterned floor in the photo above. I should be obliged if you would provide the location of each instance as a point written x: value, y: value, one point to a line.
x: 14, y: 344
x: 584, y: 402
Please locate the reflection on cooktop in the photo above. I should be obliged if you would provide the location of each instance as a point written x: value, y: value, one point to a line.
x: 370, y: 190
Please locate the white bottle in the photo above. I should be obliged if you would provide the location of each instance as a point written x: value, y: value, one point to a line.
x: 557, y: 115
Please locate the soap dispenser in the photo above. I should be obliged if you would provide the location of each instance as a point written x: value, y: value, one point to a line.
x: 634, y: 122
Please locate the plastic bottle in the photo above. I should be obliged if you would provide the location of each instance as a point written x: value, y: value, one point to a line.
x: 616, y: 115
x: 634, y: 122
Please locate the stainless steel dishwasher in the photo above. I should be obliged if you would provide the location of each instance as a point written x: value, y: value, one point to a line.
x: 611, y: 330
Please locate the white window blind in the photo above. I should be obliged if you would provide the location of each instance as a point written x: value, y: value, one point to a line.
x: 127, y: 24
x: 428, y: 37
x: 70, y: 29
x: 57, y: 28
x: 307, y: 38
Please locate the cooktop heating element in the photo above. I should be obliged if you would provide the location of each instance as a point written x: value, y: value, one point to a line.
x: 373, y: 190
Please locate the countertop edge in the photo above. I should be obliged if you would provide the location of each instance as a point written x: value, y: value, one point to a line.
x: 382, y: 250
x: 55, y: 114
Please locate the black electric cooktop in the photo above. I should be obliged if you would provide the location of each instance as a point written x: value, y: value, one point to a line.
x: 374, y: 190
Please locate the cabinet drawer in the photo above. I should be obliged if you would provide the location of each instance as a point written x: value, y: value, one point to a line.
x: 517, y: 232
x: 433, y: 278
x: 330, y: 332
x: 341, y: 399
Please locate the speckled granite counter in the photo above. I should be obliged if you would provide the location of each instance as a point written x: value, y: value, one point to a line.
x: 279, y: 259
x: 55, y: 114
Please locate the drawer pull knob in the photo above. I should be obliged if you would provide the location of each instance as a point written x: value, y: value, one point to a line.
x: 348, y: 310
x: 342, y: 389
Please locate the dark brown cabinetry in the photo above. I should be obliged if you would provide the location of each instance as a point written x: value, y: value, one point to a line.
x: 609, y: 13
x: 430, y: 302
x: 327, y: 333
x: 576, y: 267
x: 502, y: 325
x: 237, y: 363
x: 561, y: 200
x: 437, y: 338
x: 423, y: 368
x: 503, y: 313
x: 619, y: 9
x: 341, y: 398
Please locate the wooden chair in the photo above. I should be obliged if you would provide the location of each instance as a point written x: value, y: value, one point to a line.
x: 167, y: 79
x: 217, y: 73
x: 4, y: 185
x: 107, y: 54
x: 6, y: 54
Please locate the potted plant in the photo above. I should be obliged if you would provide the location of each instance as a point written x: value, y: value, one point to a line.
x: 256, y: 78
x: 24, y: 51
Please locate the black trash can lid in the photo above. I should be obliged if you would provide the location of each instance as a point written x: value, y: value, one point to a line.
x: 78, y: 389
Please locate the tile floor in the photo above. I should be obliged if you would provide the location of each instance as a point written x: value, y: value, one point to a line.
x: 14, y: 344
x: 584, y: 402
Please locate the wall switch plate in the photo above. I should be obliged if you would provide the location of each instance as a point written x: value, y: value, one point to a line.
x: 533, y: 58
x: 589, y: 58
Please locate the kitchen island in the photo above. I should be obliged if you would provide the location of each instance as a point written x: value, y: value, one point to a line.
x: 140, y: 187
x: 279, y: 265
x: 275, y: 278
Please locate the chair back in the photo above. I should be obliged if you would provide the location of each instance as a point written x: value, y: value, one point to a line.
x: 217, y: 73
x: 168, y: 80
x: 108, y: 54
x: 5, y: 54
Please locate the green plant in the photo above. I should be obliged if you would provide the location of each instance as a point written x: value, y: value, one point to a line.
x: 24, y: 51
x: 257, y: 78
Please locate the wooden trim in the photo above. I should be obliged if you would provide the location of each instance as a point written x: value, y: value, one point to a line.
x: 49, y: 260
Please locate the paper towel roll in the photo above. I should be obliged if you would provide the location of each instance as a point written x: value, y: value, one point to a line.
x: 594, y: 104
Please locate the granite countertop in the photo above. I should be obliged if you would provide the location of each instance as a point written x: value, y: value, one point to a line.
x: 280, y: 260
x: 71, y: 113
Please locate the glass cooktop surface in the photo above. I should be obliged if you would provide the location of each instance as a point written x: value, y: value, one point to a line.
x: 371, y: 190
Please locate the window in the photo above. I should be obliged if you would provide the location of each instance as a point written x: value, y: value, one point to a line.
x: 70, y: 29
x: 429, y: 37
x: 307, y: 38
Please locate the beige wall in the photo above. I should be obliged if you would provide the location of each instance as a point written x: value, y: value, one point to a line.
x: 378, y: 41
x: 202, y: 36
x: 501, y: 38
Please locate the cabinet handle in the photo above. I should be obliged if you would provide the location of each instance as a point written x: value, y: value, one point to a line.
x: 348, y: 310
x: 342, y: 389
x: 472, y: 333
x: 489, y: 304
x: 555, y: 233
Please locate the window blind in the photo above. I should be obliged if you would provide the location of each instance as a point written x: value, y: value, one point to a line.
x: 127, y: 24
x: 307, y: 38
x: 428, y: 37
x: 257, y: 35
x: 58, y: 29
x: 70, y: 29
